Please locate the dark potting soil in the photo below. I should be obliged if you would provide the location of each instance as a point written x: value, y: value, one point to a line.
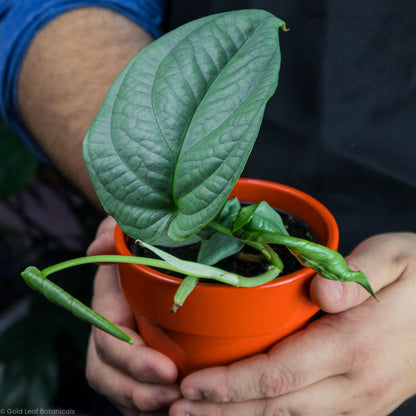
x: 245, y: 263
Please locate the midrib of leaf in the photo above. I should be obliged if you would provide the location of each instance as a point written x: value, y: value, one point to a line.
x: 206, y: 138
x: 204, y: 95
x: 243, y: 101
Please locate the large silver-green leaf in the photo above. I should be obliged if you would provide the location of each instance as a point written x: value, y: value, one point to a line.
x: 179, y: 123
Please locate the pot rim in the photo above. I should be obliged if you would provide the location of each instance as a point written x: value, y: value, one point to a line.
x: 332, y: 242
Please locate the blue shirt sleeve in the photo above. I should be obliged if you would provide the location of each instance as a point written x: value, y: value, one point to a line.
x: 20, y: 20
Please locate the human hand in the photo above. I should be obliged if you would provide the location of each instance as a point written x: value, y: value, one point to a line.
x: 360, y: 360
x: 135, y: 378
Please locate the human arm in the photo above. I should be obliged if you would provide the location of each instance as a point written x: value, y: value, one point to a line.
x: 359, y: 360
x: 65, y: 76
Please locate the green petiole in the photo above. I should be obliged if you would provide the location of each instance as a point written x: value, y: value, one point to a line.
x: 209, y: 272
x: 184, y: 290
x: 37, y: 280
x: 263, y: 247
x: 109, y: 258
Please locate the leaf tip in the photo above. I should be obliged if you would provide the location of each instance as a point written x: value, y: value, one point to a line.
x: 367, y: 286
x: 284, y: 28
x: 32, y: 275
x: 30, y: 270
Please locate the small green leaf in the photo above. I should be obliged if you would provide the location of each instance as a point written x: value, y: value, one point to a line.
x: 219, y: 245
x: 229, y: 212
x: 259, y: 218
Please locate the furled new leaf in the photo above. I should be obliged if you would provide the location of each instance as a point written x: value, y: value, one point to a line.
x: 327, y: 262
x: 179, y: 123
x: 37, y: 280
x: 259, y: 218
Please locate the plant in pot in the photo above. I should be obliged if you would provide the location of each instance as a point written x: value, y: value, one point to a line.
x: 165, y: 154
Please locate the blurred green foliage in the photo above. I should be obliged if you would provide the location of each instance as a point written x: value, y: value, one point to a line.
x: 18, y: 164
x: 42, y: 349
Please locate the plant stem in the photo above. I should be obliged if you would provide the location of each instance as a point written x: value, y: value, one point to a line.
x: 238, y: 281
x: 109, y: 258
x: 219, y: 227
x: 214, y: 273
x: 261, y: 279
x: 184, y: 290
x: 263, y: 247
x: 251, y: 258
x: 274, y: 258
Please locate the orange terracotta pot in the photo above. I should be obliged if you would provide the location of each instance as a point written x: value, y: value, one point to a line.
x: 219, y: 324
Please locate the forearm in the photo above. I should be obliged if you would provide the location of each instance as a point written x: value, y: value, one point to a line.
x: 65, y: 77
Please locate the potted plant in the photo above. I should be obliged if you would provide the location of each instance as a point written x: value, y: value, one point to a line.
x: 165, y: 153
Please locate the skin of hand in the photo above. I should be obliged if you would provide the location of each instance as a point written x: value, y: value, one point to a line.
x: 65, y: 75
x: 359, y: 360
x: 135, y: 378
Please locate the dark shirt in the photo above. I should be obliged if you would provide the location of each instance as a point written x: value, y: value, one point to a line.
x: 342, y: 124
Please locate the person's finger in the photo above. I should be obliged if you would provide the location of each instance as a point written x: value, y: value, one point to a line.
x: 133, y: 376
x: 326, y: 398
x: 138, y: 361
x: 125, y: 392
x: 288, y: 367
x: 371, y: 345
x: 104, y: 239
x: 382, y: 258
x: 108, y: 300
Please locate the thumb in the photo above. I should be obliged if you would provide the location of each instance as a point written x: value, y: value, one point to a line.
x: 382, y: 258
